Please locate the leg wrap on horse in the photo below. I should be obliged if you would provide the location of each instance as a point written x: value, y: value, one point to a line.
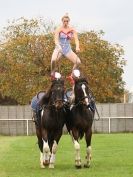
x: 76, y: 145
x: 88, y: 157
x: 89, y: 150
x: 45, y: 147
x: 46, y: 151
x: 52, y: 159
x: 54, y: 148
x: 41, y: 160
x: 77, y: 155
x: 89, y: 153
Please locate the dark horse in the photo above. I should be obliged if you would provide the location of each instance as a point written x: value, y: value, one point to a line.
x: 80, y: 119
x: 51, y: 123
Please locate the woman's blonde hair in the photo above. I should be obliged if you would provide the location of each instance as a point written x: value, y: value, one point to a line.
x: 65, y: 16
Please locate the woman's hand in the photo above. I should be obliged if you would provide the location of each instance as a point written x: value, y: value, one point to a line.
x: 77, y: 49
x: 76, y: 40
x: 59, y: 47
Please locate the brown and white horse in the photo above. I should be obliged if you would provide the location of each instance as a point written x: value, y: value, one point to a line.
x: 80, y: 118
x: 51, y: 124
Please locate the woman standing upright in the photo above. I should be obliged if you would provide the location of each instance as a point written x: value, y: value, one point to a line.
x: 62, y: 38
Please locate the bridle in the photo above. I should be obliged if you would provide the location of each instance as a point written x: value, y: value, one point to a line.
x: 91, y: 97
x: 53, y: 103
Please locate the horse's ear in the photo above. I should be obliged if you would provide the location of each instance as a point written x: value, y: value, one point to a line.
x: 61, y: 80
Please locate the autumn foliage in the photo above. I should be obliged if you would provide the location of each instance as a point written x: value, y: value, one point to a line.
x: 25, y: 52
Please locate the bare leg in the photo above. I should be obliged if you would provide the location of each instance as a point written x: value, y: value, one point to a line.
x: 76, y: 61
x: 55, y: 58
x: 74, y: 58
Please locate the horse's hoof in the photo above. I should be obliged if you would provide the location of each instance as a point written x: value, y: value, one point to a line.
x: 86, y: 165
x: 51, y: 166
x: 46, y: 162
x: 78, y: 166
x: 42, y: 166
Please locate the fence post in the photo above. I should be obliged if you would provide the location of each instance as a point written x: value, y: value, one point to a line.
x: 109, y: 124
x: 27, y: 126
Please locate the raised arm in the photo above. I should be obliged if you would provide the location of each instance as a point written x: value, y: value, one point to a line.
x: 56, y: 39
x: 76, y: 40
x: 56, y: 36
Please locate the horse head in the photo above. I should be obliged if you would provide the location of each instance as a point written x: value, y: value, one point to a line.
x: 81, y: 91
x: 57, y: 93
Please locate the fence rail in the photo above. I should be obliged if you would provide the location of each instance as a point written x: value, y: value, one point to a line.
x: 94, y: 127
x: 109, y: 121
x: 27, y: 123
x: 115, y: 117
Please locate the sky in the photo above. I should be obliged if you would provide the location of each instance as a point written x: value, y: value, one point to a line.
x: 114, y: 17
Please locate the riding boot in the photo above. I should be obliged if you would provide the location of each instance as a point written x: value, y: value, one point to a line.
x: 71, y: 80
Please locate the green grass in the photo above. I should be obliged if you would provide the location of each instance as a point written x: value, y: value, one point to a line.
x: 112, y: 156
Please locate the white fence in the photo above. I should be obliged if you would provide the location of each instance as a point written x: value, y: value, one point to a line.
x: 111, y: 118
x: 118, y: 117
x: 27, y: 123
x: 108, y: 126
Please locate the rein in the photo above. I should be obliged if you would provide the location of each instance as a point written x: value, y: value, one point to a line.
x: 53, y: 104
x: 90, y: 96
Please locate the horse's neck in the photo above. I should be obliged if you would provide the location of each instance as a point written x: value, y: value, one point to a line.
x: 76, y: 98
x: 55, y: 113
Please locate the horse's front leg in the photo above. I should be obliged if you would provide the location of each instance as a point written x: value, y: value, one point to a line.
x: 88, y: 136
x: 46, y: 149
x: 52, y: 158
x: 77, y: 148
x: 54, y: 148
x: 40, y: 145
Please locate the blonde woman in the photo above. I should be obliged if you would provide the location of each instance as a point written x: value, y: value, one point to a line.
x: 62, y: 38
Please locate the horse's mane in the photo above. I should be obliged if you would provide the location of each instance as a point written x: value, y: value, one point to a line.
x: 45, y: 98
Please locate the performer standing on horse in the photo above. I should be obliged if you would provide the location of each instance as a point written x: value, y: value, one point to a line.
x: 62, y: 38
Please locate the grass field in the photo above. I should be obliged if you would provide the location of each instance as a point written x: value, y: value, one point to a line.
x: 112, y: 157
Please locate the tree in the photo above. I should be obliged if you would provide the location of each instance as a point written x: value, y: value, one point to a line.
x: 25, y: 52
x: 103, y: 64
x: 24, y: 58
